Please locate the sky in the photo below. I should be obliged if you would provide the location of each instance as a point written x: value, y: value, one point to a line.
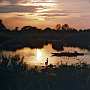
x: 45, y: 13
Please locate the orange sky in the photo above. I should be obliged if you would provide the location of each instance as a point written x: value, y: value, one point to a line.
x: 44, y: 13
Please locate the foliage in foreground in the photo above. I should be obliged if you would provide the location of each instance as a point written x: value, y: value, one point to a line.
x: 14, y: 75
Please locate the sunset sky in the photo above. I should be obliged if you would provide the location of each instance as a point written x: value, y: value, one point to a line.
x: 44, y: 13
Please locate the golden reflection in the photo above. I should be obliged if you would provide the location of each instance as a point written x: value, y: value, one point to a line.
x: 38, y: 57
x: 38, y: 54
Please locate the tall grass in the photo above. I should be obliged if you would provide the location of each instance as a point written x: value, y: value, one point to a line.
x: 15, y: 76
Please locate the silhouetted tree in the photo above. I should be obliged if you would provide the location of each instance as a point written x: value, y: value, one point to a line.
x: 58, y: 26
x: 16, y: 28
x: 2, y: 27
x: 48, y: 29
x: 65, y: 26
x: 26, y: 28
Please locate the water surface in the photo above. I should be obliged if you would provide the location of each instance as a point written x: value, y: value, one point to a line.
x: 37, y: 57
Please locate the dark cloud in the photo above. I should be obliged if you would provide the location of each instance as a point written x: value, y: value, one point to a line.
x: 1, y: 1
x: 12, y: 1
x: 54, y: 14
x: 18, y: 8
x: 61, y: 11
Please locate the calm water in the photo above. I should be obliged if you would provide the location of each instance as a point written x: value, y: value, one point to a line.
x: 38, y: 56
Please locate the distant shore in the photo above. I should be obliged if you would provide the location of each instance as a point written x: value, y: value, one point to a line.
x: 33, y: 37
x: 11, y: 40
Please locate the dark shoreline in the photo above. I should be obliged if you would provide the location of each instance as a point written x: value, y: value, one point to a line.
x: 13, y: 40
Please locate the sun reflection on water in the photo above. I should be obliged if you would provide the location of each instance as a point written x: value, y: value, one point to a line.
x: 38, y: 57
x: 38, y: 54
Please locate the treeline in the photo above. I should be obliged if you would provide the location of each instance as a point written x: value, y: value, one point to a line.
x: 59, y: 28
x: 29, y: 36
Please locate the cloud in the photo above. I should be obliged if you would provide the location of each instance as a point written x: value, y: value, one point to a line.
x: 18, y: 8
x: 69, y: 11
x: 54, y: 14
x: 61, y: 11
x: 12, y: 1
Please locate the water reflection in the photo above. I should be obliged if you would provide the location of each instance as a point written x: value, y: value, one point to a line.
x: 38, y: 57
x: 38, y: 54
